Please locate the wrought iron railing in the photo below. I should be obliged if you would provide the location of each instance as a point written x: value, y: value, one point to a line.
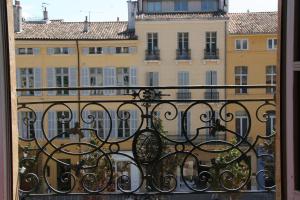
x: 183, y: 54
x: 214, y: 95
x: 152, y: 54
x: 211, y: 54
x: 145, y: 143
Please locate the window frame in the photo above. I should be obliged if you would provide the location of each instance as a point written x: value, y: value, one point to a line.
x: 242, y: 48
x: 273, y: 76
x: 241, y: 75
x: 274, y: 47
x: 62, y: 75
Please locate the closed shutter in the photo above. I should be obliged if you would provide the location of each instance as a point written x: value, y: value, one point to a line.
x: 38, y: 125
x: 114, y: 124
x: 50, y: 51
x: 132, y: 50
x: 37, y: 81
x: 208, y: 78
x: 18, y: 81
x: 133, y: 122
x: 85, y: 80
x: 73, y: 77
x: 133, y: 76
x: 85, y: 51
x: 109, y: 80
x: 73, y: 124
x: 17, y: 51
x: 52, y: 124
x: 112, y: 50
x: 71, y: 51
x: 36, y: 51
x: 106, y: 50
x: 86, y: 124
x: 51, y: 80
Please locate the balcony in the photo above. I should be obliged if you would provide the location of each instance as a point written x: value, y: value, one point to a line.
x: 211, y: 54
x: 152, y: 55
x: 183, y: 54
x: 211, y: 95
x: 144, y: 123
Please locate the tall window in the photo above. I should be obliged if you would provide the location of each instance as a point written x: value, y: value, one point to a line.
x: 272, y: 44
x: 120, y: 50
x: 241, y: 78
x: 154, y: 6
x: 270, y: 78
x: 183, y: 41
x: 241, y: 44
x: 212, y: 116
x: 27, y: 127
x: 181, y: 5
x: 62, y: 80
x: 96, y: 80
x: 63, y: 119
x: 184, y: 123
x: 209, y: 5
x: 152, y: 79
x: 241, y: 124
x: 271, y: 123
x: 123, y: 124
x: 211, y: 79
x: 27, y: 80
x: 122, y: 78
x: 183, y: 80
x: 211, y: 44
x: 99, y: 123
x: 95, y: 50
x: 152, y: 42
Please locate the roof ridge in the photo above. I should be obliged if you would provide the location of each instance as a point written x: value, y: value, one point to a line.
x: 258, y: 12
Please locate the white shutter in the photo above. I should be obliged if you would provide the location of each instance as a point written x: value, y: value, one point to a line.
x: 38, y: 125
x: 50, y: 51
x: 85, y: 51
x: 36, y: 51
x: 132, y: 50
x: 71, y: 51
x: 73, y: 80
x: 208, y: 78
x: 72, y: 125
x: 109, y: 80
x: 51, y: 80
x: 155, y: 79
x: 133, y: 76
x: 85, y: 80
x: 18, y: 81
x: 133, y: 122
x: 214, y: 78
x: 52, y: 124
x: 37, y: 81
x: 179, y: 123
x: 85, y: 124
x: 114, y: 124
x: 112, y: 50
x: 17, y: 51
x: 106, y: 50
x: 21, y: 126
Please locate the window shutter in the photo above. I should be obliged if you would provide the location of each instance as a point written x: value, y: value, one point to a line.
x: 85, y: 80
x: 71, y: 51
x: 38, y: 125
x: 132, y: 50
x: 36, y: 51
x: 85, y: 124
x: 114, y: 125
x: 51, y: 80
x: 85, y: 51
x: 112, y: 50
x: 73, y: 76
x: 109, y: 80
x: 155, y: 79
x: 37, y: 81
x: 52, y: 124
x: 148, y: 78
x: 17, y: 51
x: 106, y: 50
x: 21, y: 126
x: 188, y: 125
x: 133, y: 76
x: 18, y: 81
x: 72, y: 125
x: 50, y: 51
x: 208, y: 78
x: 133, y: 122
x: 180, y: 78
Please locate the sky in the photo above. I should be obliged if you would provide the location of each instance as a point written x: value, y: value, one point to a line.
x: 109, y: 10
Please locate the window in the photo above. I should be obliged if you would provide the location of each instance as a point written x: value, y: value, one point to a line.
x: 212, y: 116
x: 209, y: 5
x: 183, y: 80
x: 63, y: 124
x: 60, y: 51
x: 211, y: 45
x: 27, y: 51
x: 122, y: 78
x: 271, y: 123
x: 120, y: 50
x: 241, y: 44
x: 154, y: 6
x: 241, y: 123
x: 241, y: 78
x: 99, y: 123
x: 123, y: 124
x: 181, y: 5
x: 185, y: 125
x: 96, y: 80
x: 183, y: 46
x: 270, y: 78
x: 152, y: 41
x: 62, y: 80
x: 272, y: 44
x: 27, y: 80
x: 152, y: 79
x: 95, y: 50
x: 211, y: 79
x: 27, y: 125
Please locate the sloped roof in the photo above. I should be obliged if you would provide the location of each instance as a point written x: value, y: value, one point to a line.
x: 180, y: 16
x: 59, y: 30
x: 253, y: 23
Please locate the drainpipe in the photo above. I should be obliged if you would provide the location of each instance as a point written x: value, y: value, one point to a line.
x: 225, y: 67
x: 78, y: 80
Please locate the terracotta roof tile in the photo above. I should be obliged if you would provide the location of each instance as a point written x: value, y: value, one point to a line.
x: 58, y: 30
x: 253, y: 23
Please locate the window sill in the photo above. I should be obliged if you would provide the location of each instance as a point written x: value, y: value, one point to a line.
x: 205, y: 61
x: 184, y: 61
x: 152, y: 61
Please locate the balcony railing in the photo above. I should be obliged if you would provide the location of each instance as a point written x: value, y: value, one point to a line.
x: 183, y: 54
x: 213, y: 95
x: 152, y: 54
x: 87, y: 146
x: 184, y: 95
x: 211, y: 54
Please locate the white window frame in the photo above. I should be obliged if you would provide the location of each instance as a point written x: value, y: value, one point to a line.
x: 240, y: 118
x: 26, y: 51
x: 123, y: 50
x: 95, y: 49
x: 209, y: 41
x: 241, y: 75
x: 242, y: 46
x: 123, y: 119
x: 27, y: 76
x: 182, y: 36
x: 95, y: 76
x: 151, y: 37
x: 273, y: 46
x: 68, y: 123
x: 62, y: 75
x: 272, y: 75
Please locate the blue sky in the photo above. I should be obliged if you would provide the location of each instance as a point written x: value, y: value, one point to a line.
x: 109, y: 10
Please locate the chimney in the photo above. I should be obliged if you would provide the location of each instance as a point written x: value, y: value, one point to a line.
x: 45, y: 14
x: 17, y: 17
x: 118, y: 19
x: 86, y: 25
x: 132, y: 11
